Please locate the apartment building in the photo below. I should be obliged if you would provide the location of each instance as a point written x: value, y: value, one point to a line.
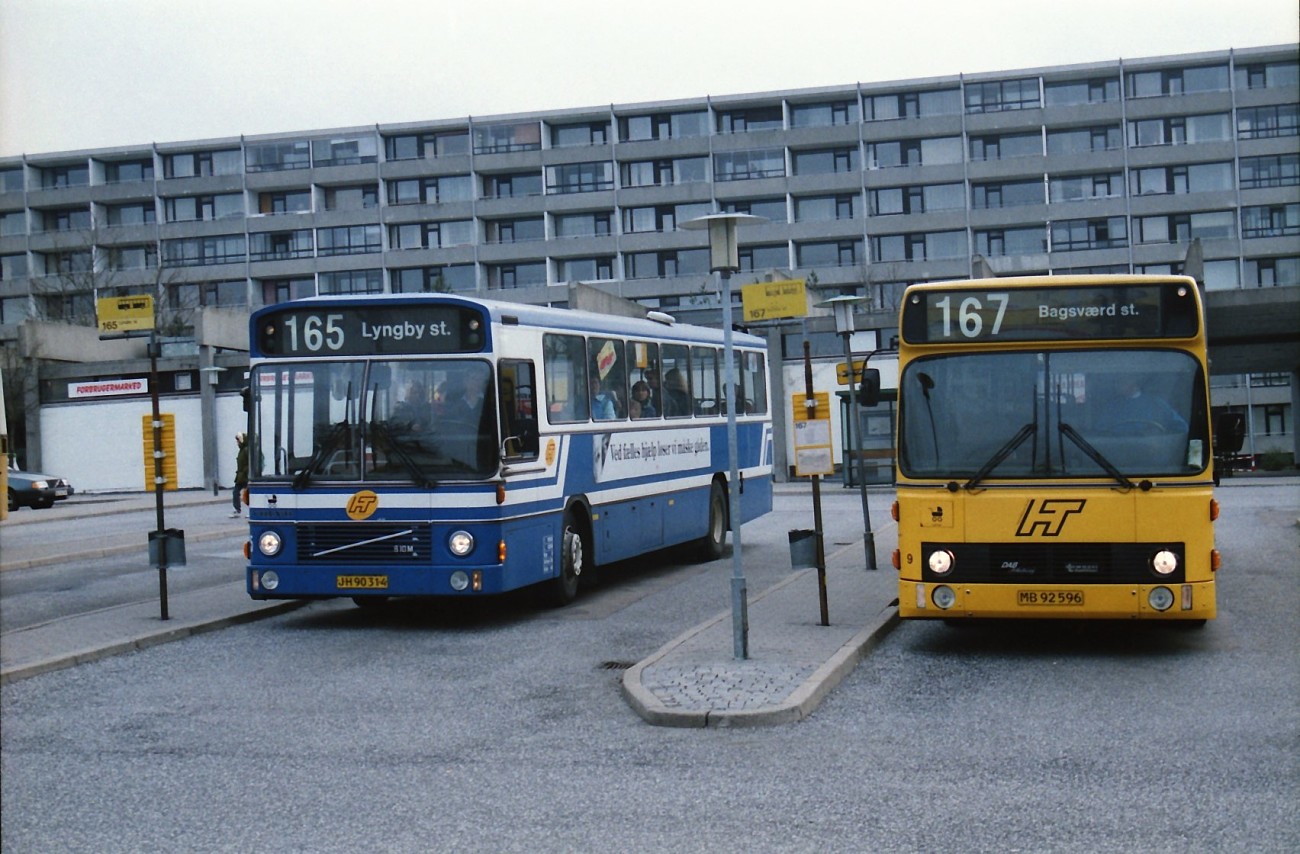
x: 1113, y: 166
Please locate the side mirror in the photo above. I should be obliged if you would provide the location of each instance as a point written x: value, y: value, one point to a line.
x: 869, y: 392
x: 1229, y: 432
x: 246, y: 393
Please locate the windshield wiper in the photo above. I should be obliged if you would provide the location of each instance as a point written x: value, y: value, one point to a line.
x: 1002, y: 453
x: 398, y: 448
x: 327, y: 445
x: 1095, y: 455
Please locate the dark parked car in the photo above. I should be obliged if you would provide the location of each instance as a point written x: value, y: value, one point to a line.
x: 31, y: 489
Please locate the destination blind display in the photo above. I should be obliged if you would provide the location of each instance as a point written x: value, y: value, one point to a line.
x: 375, y: 330
x: 1159, y: 310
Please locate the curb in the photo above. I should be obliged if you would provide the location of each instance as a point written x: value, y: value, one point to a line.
x: 798, y: 705
x: 62, y: 662
x: 107, y: 551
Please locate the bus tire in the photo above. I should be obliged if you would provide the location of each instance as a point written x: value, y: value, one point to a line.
x: 712, y: 543
x: 575, y: 558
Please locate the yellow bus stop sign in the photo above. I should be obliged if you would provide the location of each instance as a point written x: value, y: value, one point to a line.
x: 125, y: 314
x: 774, y: 300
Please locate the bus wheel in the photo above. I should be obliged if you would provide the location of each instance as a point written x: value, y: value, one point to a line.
x: 712, y: 542
x: 573, y: 560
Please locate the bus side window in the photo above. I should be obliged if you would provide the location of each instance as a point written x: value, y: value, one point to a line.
x: 564, y: 361
x: 517, y: 386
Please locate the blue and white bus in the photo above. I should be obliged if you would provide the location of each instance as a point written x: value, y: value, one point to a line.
x: 438, y: 445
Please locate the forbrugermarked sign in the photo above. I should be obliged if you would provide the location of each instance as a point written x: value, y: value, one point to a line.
x: 125, y: 314
x: 774, y: 300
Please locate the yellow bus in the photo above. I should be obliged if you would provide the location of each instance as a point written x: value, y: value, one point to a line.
x: 1054, y: 455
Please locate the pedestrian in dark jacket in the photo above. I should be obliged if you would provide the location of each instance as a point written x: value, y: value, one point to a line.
x: 241, y: 475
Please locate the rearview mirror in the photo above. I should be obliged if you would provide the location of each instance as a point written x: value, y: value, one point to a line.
x: 869, y: 393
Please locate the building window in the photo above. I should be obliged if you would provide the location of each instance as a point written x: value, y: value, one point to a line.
x: 1084, y: 140
x: 202, y: 164
x: 913, y: 105
x: 1272, y: 272
x: 771, y: 209
x: 515, y: 230
x: 362, y: 197
x: 1006, y: 194
x: 580, y: 177
x: 1070, y: 92
x: 747, y: 165
x: 1183, y: 228
x: 823, y: 208
x: 1180, y: 130
x: 65, y: 219
x: 828, y: 161
x: 504, y: 138
x: 423, y: 280
x: 59, y: 177
x: 666, y: 264
x: 203, y: 251
x: 995, y: 242
x: 919, y: 246
x: 1076, y: 188
x: 829, y: 253
x: 283, y: 290
x: 128, y: 171
x: 352, y: 282
x: 280, y: 245
x: 426, y: 146
x: 348, y: 240
x: 203, y: 208
x: 512, y: 185
x: 746, y: 119
x: 584, y: 269
x: 1075, y: 234
x: 1267, y: 75
x: 13, y: 223
x: 1194, y: 178
x: 583, y: 224
x: 277, y: 156
x: 142, y: 257
x: 581, y: 133
x: 1006, y: 146
x: 142, y: 213
x: 1267, y: 122
x: 827, y: 114
x: 663, y: 126
x: 918, y: 198
x: 1176, y: 81
x: 11, y: 180
x: 520, y: 275
x: 1001, y: 95
x: 344, y: 152
x: 1280, y: 170
x: 1270, y: 220
x: 665, y: 172
x: 776, y: 256
x: 66, y: 262
x: 289, y: 201
x: 914, y: 152
x: 13, y: 267
x: 661, y: 218
x: 429, y: 191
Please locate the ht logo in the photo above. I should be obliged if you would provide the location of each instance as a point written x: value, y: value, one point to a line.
x: 1047, y: 516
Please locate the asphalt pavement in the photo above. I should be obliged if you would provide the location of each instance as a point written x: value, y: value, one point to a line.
x: 694, y: 680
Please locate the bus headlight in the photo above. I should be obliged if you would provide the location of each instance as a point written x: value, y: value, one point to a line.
x: 1165, y: 562
x: 459, y: 580
x: 460, y: 543
x: 1160, y: 598
x: 269, y: 543
x: 270, y: 580
x: 941, y: 562
x: 944, y: 597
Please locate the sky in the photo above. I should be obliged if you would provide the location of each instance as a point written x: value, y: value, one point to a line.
x: 81, y: 74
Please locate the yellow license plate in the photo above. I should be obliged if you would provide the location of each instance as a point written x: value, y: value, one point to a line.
x: 1069, y: 598
x: 361, y: 582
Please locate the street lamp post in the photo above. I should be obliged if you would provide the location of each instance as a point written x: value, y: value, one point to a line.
x: 724, y: 259
x: 843, y: 307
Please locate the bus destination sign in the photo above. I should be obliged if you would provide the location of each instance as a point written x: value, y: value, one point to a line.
x: 371, y: 330
x: 1052, y: 313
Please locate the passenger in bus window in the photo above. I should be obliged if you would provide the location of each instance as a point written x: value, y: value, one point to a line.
x: 602, y: 402
x: 677, y: 396
x: 1132, y: 412
x: 414, y: 412
x: 641, y: 405
x: 652, y: 382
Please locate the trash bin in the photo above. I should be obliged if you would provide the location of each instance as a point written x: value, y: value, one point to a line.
x: 169, y: 543
x: 803, y: 549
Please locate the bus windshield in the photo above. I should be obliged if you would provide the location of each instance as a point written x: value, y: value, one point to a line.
x: 1050, y: 414
x: 421, y: 421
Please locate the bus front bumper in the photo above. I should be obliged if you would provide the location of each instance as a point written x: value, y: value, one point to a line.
x: 1179, y: 601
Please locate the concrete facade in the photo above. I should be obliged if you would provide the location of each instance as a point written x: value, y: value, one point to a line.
x: 1157, y: 165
